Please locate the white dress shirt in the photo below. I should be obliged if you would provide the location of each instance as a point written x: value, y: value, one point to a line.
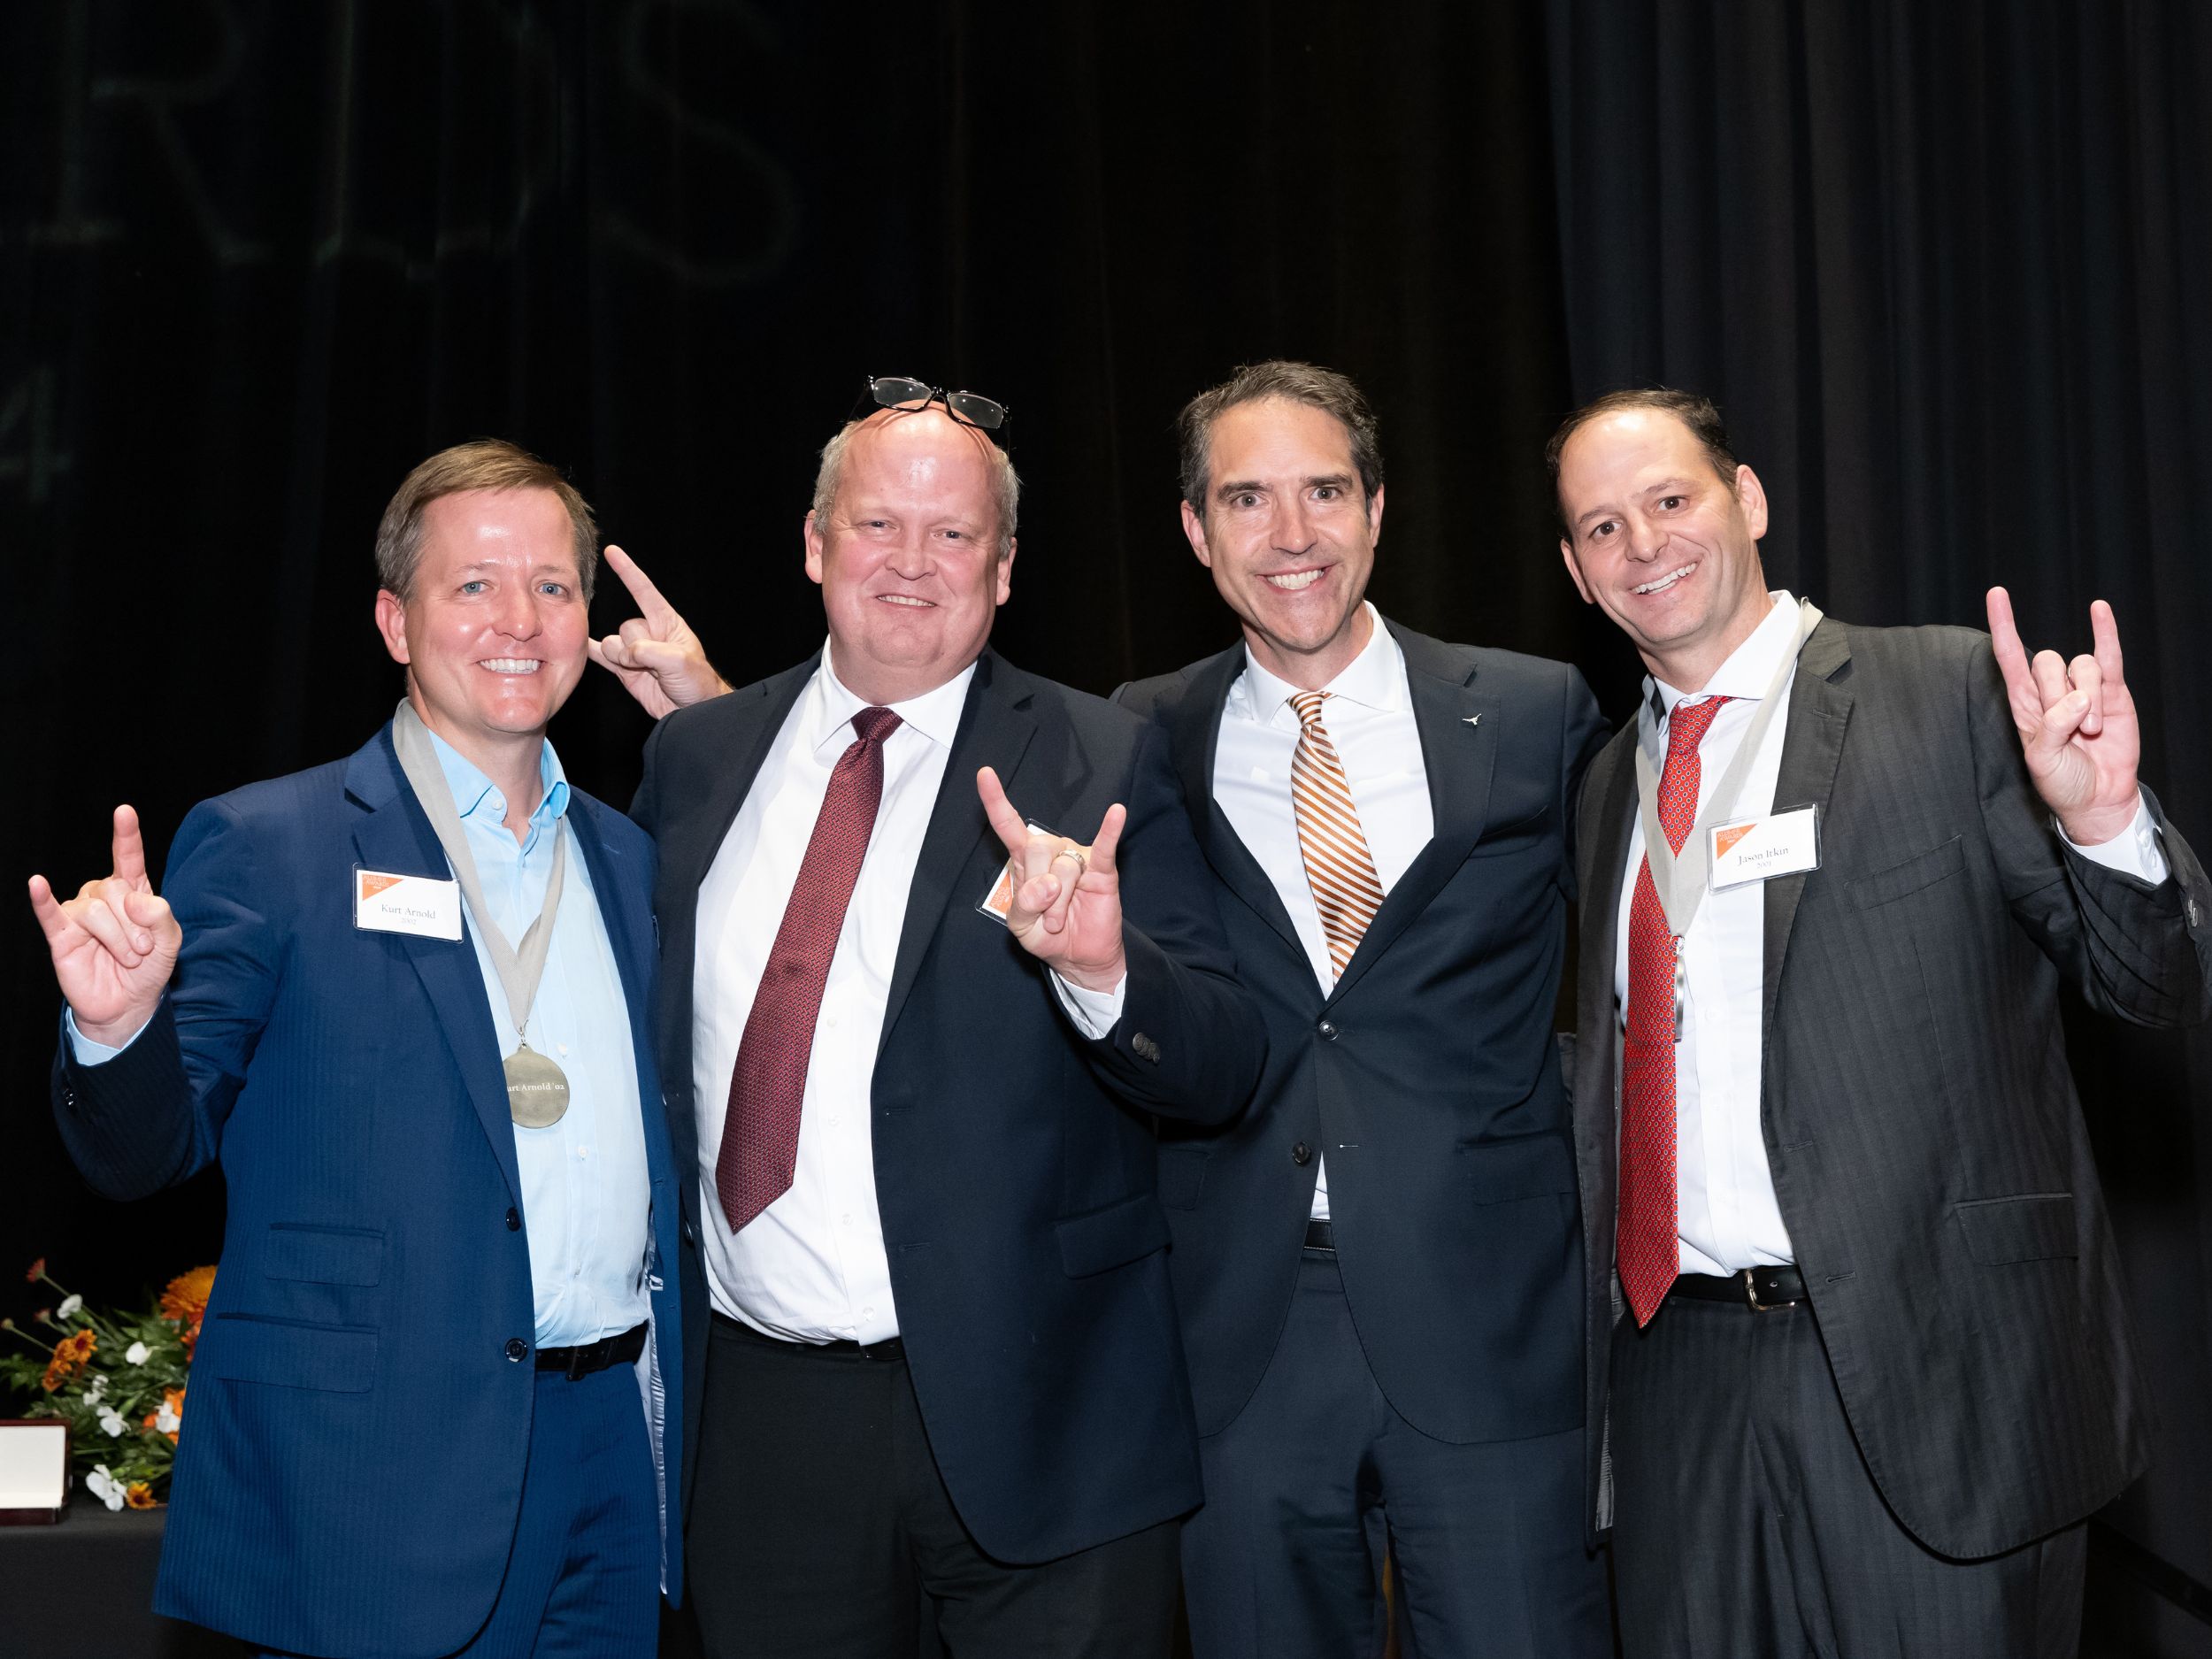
x: 1368, y: 715
x: 1726, y: 1213
x: 811, y: 1267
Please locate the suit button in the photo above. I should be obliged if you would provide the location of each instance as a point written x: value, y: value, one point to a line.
x: 514, y: 1219
x: 517, y: 1348
x: 1327, y: 1031
x: 1302, y: 1154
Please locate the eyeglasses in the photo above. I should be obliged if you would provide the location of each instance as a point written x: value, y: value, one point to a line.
x: 970, y: 409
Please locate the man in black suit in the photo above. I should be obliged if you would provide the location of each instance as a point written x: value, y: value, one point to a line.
x: 941, y: 1369
x: 1378, y: 1264
x: 1868, y: 1360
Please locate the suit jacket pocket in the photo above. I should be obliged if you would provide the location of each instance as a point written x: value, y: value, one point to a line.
x: 323, y: 1255
x: 1101, y: 1239
x: 291, y: 1353
x: 2034, y: 1227
x: 1182, y: 1176
x: 1529, y: 1166
x: 1901, y: 881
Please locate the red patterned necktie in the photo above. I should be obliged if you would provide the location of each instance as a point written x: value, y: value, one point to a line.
x: 1646, y: 1247
x: 760, y: 1134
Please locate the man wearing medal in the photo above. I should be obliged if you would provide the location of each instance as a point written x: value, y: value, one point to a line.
x: 1859, y: 1362
x: 437, y: 1401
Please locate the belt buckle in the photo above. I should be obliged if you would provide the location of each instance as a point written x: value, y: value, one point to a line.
x: 1751, y: 1296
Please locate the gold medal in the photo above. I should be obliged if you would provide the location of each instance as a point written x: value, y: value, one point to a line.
x: 537, y: 1090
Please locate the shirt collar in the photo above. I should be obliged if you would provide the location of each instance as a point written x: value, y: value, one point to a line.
x: 1750, y: 667
x: 478, y: 799
x: 1375, y: 678
x: 935, y: 714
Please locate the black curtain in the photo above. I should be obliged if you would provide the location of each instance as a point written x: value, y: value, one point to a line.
x: 257, y: 257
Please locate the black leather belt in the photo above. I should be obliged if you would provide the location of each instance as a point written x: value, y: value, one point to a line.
x: 890, y: 1347
x: 1320, y: 1236
x: 590, y: 1356
x: 1761, y: 1289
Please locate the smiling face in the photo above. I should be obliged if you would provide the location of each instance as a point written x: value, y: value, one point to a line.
x: 1661, y: 542
x: 1290, y: 535
x: 908, y: 554
x: 493, y: 632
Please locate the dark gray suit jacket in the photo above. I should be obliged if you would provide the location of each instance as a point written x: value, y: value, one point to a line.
x: 1927, y: 1145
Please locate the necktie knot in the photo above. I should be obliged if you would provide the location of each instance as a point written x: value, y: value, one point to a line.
x: 873, y: 726
x: 1687, y: 726
x: 1308, y: 706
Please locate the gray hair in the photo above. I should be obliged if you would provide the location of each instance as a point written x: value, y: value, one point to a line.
x: 1006, y: 484
x: 485, y: 464
x: 1325, y: 390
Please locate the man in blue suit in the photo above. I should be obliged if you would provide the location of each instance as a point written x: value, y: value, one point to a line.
x: 402, y: 998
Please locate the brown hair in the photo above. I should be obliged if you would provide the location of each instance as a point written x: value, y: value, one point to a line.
x: 1692, y: 409
x: 1325, y: 390
x: 482, y: 464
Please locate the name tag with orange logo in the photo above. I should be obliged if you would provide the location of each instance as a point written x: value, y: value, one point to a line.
x: 420, y: 905
x: 1753, y: 848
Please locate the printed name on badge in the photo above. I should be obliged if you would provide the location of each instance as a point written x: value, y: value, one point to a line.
x: 421, y: 906
x: 1753, y: 848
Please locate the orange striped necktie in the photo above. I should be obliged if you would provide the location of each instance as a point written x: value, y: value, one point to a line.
x: 1338, y: 866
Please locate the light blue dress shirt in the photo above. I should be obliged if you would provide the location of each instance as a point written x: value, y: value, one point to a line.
x: 585, y: 1191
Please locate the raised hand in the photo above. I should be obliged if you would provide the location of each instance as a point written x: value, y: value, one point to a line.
x: 1067, y: 896
x: 656, y: 657
x: 114, y: 944
x: 2077, y: 724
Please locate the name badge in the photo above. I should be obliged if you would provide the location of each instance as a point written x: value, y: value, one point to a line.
x: 1753, y: 848
x: 421, y: 906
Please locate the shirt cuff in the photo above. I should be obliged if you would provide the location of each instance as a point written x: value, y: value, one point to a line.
x: 2134, y: 851
x: 88, y: 1052
x: 1093, y: 1013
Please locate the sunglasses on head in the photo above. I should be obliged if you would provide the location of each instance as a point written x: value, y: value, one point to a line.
x: 970, y: 409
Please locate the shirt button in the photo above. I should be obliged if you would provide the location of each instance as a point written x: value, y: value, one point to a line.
x: 517, y: 1348
x: 514, y: 1219
x: 1302, y: 1154
x: 1327, y: 1031
x: 867, y: 1313
x: 583, y: 1152
x: 845, y: 1220
x: 560, y: 1047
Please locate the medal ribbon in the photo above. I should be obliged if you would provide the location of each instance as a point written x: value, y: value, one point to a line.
x: 1680, y: 879
x: 519, y: 971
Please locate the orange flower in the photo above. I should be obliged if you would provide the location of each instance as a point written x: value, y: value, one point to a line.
x: 186, y: 1298
x: 139, y: 1495
x: 70, y: 1355
x: 37, y: 1272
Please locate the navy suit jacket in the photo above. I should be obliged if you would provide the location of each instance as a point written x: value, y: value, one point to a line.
x: 1428, y: 1077
x: 352, y: 1459
x: 1013, y: 1156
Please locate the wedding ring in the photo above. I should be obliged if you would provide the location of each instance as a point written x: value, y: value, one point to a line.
x: 1076, y: 852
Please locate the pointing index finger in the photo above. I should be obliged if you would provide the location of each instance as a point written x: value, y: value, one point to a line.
x: 2104, y: 629
x: 130, y: 847
x: 650, y: 598
x: 1012, y: 828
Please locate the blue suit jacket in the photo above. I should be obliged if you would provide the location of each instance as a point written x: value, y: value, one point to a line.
x: 352, y: 1458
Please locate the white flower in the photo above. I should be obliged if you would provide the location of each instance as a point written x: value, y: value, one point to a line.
x: 136, y: 1353
x: 69, y: 1306
x: 105, y: 1487
x: 166, y: 1419
x: 99, y: 1388
x: 110, y: 1421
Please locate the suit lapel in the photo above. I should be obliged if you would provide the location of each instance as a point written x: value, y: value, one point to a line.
x: 995, y: 731
x: 396, y: 835
x: 1194, y: 739
x: 1812, y: 746
x: 1606, y: 822
x: 753, y: 717
x: 1458, y: 753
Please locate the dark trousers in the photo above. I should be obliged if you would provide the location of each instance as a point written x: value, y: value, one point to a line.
x: 583, y: 1581
x: 1746, y: 1525
x: 1318, y: 1478
x: 821, y: 1529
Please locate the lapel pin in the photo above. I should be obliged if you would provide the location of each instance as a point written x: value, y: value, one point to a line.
x: 1471, y: 719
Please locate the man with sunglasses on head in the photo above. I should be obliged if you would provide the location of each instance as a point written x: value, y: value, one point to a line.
x: 914, y: 1037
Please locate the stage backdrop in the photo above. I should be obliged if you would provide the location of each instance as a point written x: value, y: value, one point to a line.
x: 1941, y: 266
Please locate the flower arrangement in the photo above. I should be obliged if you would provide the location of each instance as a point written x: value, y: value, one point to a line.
x: 118, y: 1379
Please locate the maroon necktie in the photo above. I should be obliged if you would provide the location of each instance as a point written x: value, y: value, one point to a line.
x: 760, y: 1135
x: 1646, y: 1248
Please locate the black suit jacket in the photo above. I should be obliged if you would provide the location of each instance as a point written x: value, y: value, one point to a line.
x: 1428, y: 1077
x: 1927, y: 1145
x: 1013, y: 1156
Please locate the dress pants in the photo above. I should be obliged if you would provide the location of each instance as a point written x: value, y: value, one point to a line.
x: 820, y: 1528
x: 1746, y: 1525
x: 583, y: 1580
x: 1318, y: 1478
